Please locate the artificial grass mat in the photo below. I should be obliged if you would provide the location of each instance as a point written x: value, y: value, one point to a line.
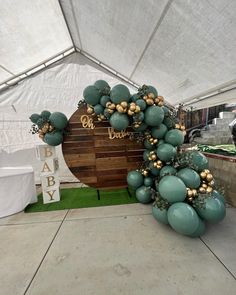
x: 85, y: 197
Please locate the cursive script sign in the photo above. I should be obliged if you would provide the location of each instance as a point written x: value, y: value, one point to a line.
x: 87, y: 122
x: 113, y: 134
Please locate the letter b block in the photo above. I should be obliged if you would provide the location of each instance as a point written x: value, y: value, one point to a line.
x: 50, y: 181
x: 45, y: 152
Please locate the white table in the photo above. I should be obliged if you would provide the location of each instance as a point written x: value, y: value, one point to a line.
x: 17, y: 189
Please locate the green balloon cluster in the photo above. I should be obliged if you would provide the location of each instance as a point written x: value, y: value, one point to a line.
x: 177, y: 181
x: 50, y: 126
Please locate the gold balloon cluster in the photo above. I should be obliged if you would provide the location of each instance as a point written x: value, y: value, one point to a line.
x: 156, y: 162
x: 191, y: 194
x: 144, y: 172
x: 151, y: 139
x: 207, y: 182
x: 47, y: 127
x: 151, y: 100
x: 110, y: 107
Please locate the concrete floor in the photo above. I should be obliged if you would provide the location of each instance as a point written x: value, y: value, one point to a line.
x: 113, y: 250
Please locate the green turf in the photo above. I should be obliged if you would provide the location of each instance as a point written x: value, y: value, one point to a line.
x: 223, y: 149
x: 73, y: 198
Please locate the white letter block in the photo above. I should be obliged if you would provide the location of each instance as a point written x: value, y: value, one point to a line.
x: 50, y: 181
x: 51, y: 195
x: 48, y: 166
x: 45, y: 152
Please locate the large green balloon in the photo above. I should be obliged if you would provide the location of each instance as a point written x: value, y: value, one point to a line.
x: 148, y: 181
x: 53, y: 138
x: 91, y: 95
x: 183, y: 218
x: 119, y: 121
x: 135, y: 179
x: 200, y: 230
x: 154, y: 116
x: 104, y: 100
x: 159, y: 132
x: 141, y: 103
x: 199, y: 161
x: 167, y: 170
x: 58, y: 120
x: 172, y: 189
x: 174, y: 137
x: 120, y: 93
x: 160, y: 215
x: 98, y: 109
x: 166, y: 152
x: 190, y: 177
x: 213, y: 211
x: 34, y: 118
x: 102, y: 86
x: 219, y: 196
x: 143, y: 194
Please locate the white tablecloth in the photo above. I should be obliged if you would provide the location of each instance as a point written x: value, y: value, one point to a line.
x: 17, y: 189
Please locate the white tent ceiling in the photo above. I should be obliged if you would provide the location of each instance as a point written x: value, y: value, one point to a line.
x: 184, y: 48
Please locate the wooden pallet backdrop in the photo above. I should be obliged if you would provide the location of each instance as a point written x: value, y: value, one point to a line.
x: 94, y: 158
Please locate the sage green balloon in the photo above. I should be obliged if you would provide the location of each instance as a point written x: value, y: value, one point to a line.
x: 174, y: 137
x: 119, y: 93
x: 154, y: 116
x: 151, y: 89
x: 160, y: 215
x: 161, y: 141
x: 216, y: 194
x: 183, y: 218
x: 172, y: 189
x: 119, y: 121
x: 102, y: 86
x: 34, y: 118
x: 167, y: 170
x: 200, y: 231
x: 166, y: 110
x: 139, y: 117
x: 146, y: 155
x: 104, y: 100
x: 213, y: 210
x: 154, y: 171
x: 168, y: 122
x: 141, y: 128
x: 190, y: 177
x: 134, y: 97
x: 98, y: 109
x: 45, y: 114
x: 159, y: 131
x: 199, y: 161
x: 91, y: 95
x: 135, y: 179
x: 143, y: 194
x: 141, y: 103
x: 148, y: 145
x: 166, y: 152
x: 53, y: 138
x: 148, y: 181
x: 58, y: 120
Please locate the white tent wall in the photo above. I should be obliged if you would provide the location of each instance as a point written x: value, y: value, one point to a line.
x: 57, y: 88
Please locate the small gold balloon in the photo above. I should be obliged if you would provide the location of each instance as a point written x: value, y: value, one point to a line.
x: 160, y: 104
x: 151, y: 95
x: 108, y: 104
x: 158, y: 166
x: 155, y: 140
x: 206, y: 171
x: 89, y: 110
x: 124, y: 104
x: 209, y: 177
x: 156, y: 100
x: 209, y: 189
x: 112, y: 106
x: 137, y: 109
x: 110, y: 111
x: 132, y: 108
x: 203, y: 175
x: 145, y: 97
x: 153, y: 157
x: 194, y: 192
x: 150, y: 101
x: 120, y: 109
x: 159, y: 162
x: 177, y: 126
x: 204, y: 185
x: 130, y: 113
x: 190, y: 193
x: 145, y: 173
x: 160, y: 97
x: 190, y: 199
x: 202, y: 190
x: 155, y: 164
x: 182, y: 127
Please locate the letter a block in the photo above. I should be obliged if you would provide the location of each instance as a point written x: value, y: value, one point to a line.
x: 45, y: 152
x: 48, y: 166
x: 51, y: 195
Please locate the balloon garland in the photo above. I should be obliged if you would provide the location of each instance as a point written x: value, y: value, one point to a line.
x: 178, y: 181
x: 50, y: 127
